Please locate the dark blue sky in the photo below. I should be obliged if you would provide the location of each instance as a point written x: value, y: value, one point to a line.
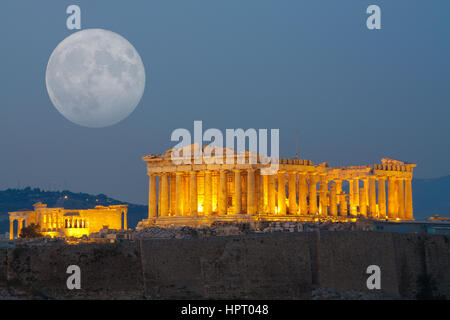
x: 307, y: 67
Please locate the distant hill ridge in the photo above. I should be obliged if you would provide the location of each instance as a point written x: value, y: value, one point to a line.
x: 430, y: 196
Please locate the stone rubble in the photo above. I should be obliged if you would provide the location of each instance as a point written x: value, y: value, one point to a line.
x: 218, y: 229
x: 165, y: 233
x: 324, y: 293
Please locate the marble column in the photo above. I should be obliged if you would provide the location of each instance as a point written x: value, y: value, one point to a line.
x: 184, y: 194
x: 11, y: 229
x: 152, y: 204
x: 401, y: 198
x: 259, y: 192
x: 251, y: 192
x: 178, y: 194
x: 381, y: 198
x: 281, y: 194
x: 372, y: 198
x: 293, y: 209
x: 186, y: 200
x: 396, y: 191
x: 338, y: 190
x: 362, y: 202
x: 366, y: 190
x: 164, y: 195
x: 215, y: 192
x: 302, y: 194
x: 19, y: 227
x: 173, y: 191
x: 313, y: 195
x: 351, y: 194
x: 222, y: 193
x: 237, y: 203
x: 356, y: 193
x: 271, y: 188
x: 265, y: 178
x: 391, y: 198
x: 159, y: 194
x: 207, y: 205
x: 342, y: 205
x: 193, y: 193
x: 408, y: 200
x: 323, y: 195
x: 244, y: 190
x: 333, y: 199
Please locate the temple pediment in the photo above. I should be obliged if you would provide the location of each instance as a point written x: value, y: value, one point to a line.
x: 394, y: 162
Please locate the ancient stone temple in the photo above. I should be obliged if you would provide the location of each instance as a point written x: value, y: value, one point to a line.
x: 202, y: 192
x: 60, y: 222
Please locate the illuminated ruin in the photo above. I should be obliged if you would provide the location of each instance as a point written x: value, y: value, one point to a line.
x: 202, y: 192
x: 60, y: 222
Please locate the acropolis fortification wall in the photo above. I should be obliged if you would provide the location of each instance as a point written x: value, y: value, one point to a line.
x: 271, y: 266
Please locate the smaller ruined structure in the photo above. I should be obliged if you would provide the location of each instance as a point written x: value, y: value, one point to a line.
x: 60, y: 222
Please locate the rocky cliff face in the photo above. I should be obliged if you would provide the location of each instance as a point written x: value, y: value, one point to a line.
x: 265, y: 266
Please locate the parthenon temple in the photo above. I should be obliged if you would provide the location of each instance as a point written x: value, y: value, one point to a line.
x: 201, y: 192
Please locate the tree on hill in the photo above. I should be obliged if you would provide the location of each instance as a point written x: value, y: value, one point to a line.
x: 31, y: 231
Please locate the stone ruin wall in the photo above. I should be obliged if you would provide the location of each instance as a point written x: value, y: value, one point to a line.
x: 268, y: 266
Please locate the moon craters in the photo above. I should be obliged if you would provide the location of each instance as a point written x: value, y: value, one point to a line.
x: 95, y: 78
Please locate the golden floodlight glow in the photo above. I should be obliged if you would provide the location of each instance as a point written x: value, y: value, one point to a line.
x: 60, y: 222
x: 296, y: 190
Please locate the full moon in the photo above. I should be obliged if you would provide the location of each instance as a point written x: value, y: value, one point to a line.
x: 95, y: 78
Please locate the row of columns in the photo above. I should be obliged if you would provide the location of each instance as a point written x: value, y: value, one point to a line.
x: 75, y: 223
x: 50, y: 221
x: 399, y: 198
x: 263, y: 197
x: 368, y: 201
x: 181, y: 193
